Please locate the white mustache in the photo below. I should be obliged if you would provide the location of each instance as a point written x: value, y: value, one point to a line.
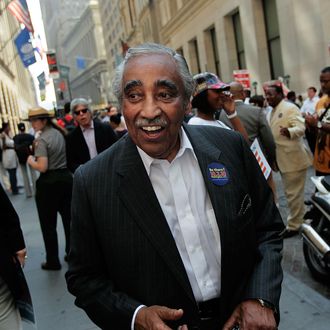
x: 151, y: 122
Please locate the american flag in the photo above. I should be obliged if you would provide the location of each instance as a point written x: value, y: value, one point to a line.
x: 19, y: 9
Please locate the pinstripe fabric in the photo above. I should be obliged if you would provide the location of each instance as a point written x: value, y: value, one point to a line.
x: 122, y: 251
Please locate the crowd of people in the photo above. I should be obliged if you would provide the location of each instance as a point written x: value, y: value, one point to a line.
x: 175, y: 225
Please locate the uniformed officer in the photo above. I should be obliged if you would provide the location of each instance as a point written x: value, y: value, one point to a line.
x: 54, y: 186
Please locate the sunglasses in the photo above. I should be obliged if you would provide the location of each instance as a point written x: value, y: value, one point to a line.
x: 77, y: 112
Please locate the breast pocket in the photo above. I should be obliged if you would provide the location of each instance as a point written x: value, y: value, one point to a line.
x: 244, y: 215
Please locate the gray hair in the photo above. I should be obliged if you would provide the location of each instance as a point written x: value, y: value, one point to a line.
x: 152, y: 48
x: 79, y: 101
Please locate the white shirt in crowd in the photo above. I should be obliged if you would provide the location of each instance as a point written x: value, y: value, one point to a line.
x: 89, y: 136
x: 309, y: 105
x: 182, y: 195
x: 200, y: 121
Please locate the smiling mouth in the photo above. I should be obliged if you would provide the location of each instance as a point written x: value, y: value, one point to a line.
x: 151, y: 128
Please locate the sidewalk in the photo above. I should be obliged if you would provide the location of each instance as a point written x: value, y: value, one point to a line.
x: 301, y: 306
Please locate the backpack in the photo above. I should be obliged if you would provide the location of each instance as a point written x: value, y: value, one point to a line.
x: 69, y: 124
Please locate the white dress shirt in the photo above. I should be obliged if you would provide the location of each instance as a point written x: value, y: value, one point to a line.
x: 89, y: 135
x: 185, y: 202
x: 199, y: 121
x: 309, y: 105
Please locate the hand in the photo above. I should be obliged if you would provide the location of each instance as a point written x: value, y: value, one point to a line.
x: 311, y: 121
x: 153, y: 317
x: 30, y: 160
x: 21, y: 255
x: 228, y: 104
x: 250, y: 315
x: 284, y: 131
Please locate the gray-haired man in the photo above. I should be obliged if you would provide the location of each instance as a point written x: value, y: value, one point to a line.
x: 89, y: 138
x: 174, y: 225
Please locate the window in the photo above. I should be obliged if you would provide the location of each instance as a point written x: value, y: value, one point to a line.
x: 239, y: 41
x: 273, y: 38
x: 180, y: 51
x: 194, y: 56
x: 211, y: 49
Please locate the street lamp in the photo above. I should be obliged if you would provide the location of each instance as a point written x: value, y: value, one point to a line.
x: 287, y: 80
x: 254, y: 85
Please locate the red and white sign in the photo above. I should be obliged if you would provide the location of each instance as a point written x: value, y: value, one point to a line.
x: 52, y: 64
x: 243, y: 77
x: 261, y: 159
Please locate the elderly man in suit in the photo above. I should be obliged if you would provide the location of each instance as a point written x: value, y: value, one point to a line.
x: 89, y: 138
x: 293, y: 157
x: 174, y: 225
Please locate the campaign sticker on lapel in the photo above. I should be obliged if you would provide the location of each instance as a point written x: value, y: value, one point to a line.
x: 217, y: 174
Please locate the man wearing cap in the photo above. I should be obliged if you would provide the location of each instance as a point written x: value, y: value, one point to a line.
x: 90, y: 138
x: 211, y: 95
x: 23, y: 147
x: 174, y: 225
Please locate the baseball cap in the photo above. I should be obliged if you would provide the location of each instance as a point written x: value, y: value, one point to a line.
x: 207, y: 80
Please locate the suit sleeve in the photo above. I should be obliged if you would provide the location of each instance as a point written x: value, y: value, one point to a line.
x: 70, y: 154
x: 88, y: 278
x: 11, y: 233
x: 296, y: 124
x: 266, y: 277
x: 266, y: 138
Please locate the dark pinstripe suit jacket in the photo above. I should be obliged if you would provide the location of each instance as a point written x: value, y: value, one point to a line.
x: 122, y: 251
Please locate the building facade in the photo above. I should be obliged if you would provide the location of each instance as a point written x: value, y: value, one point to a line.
x: 16, y: 87
x: 85, y: 43
x: 269, y: 38
x: 113, y: 33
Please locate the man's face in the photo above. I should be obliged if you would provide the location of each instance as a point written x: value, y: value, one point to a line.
x: 325, y: 82
x: 153, y: 104
x: 310, y: 93
x: 273, y: 98
x: 82, y: 115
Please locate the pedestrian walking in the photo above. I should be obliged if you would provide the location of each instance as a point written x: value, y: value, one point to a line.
x: 54, y: 186
x: 9, y: 158
x: 292, y: 156
x: 23, y: 147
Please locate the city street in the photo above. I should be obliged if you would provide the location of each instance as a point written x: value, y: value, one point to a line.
x: 305, y: 304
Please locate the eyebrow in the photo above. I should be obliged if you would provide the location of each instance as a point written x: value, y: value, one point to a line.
x: 131, y: 84
x: 168, y: 84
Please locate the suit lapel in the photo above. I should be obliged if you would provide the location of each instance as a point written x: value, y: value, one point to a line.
x: 82, y: 143
x: 144, y: 207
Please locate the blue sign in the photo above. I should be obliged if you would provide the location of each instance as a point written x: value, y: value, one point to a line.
x: 25, y: 48
x: 80, y: 63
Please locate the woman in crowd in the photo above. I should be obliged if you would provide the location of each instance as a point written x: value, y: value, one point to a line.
x: 54, y: 186
x: 211, y: 95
